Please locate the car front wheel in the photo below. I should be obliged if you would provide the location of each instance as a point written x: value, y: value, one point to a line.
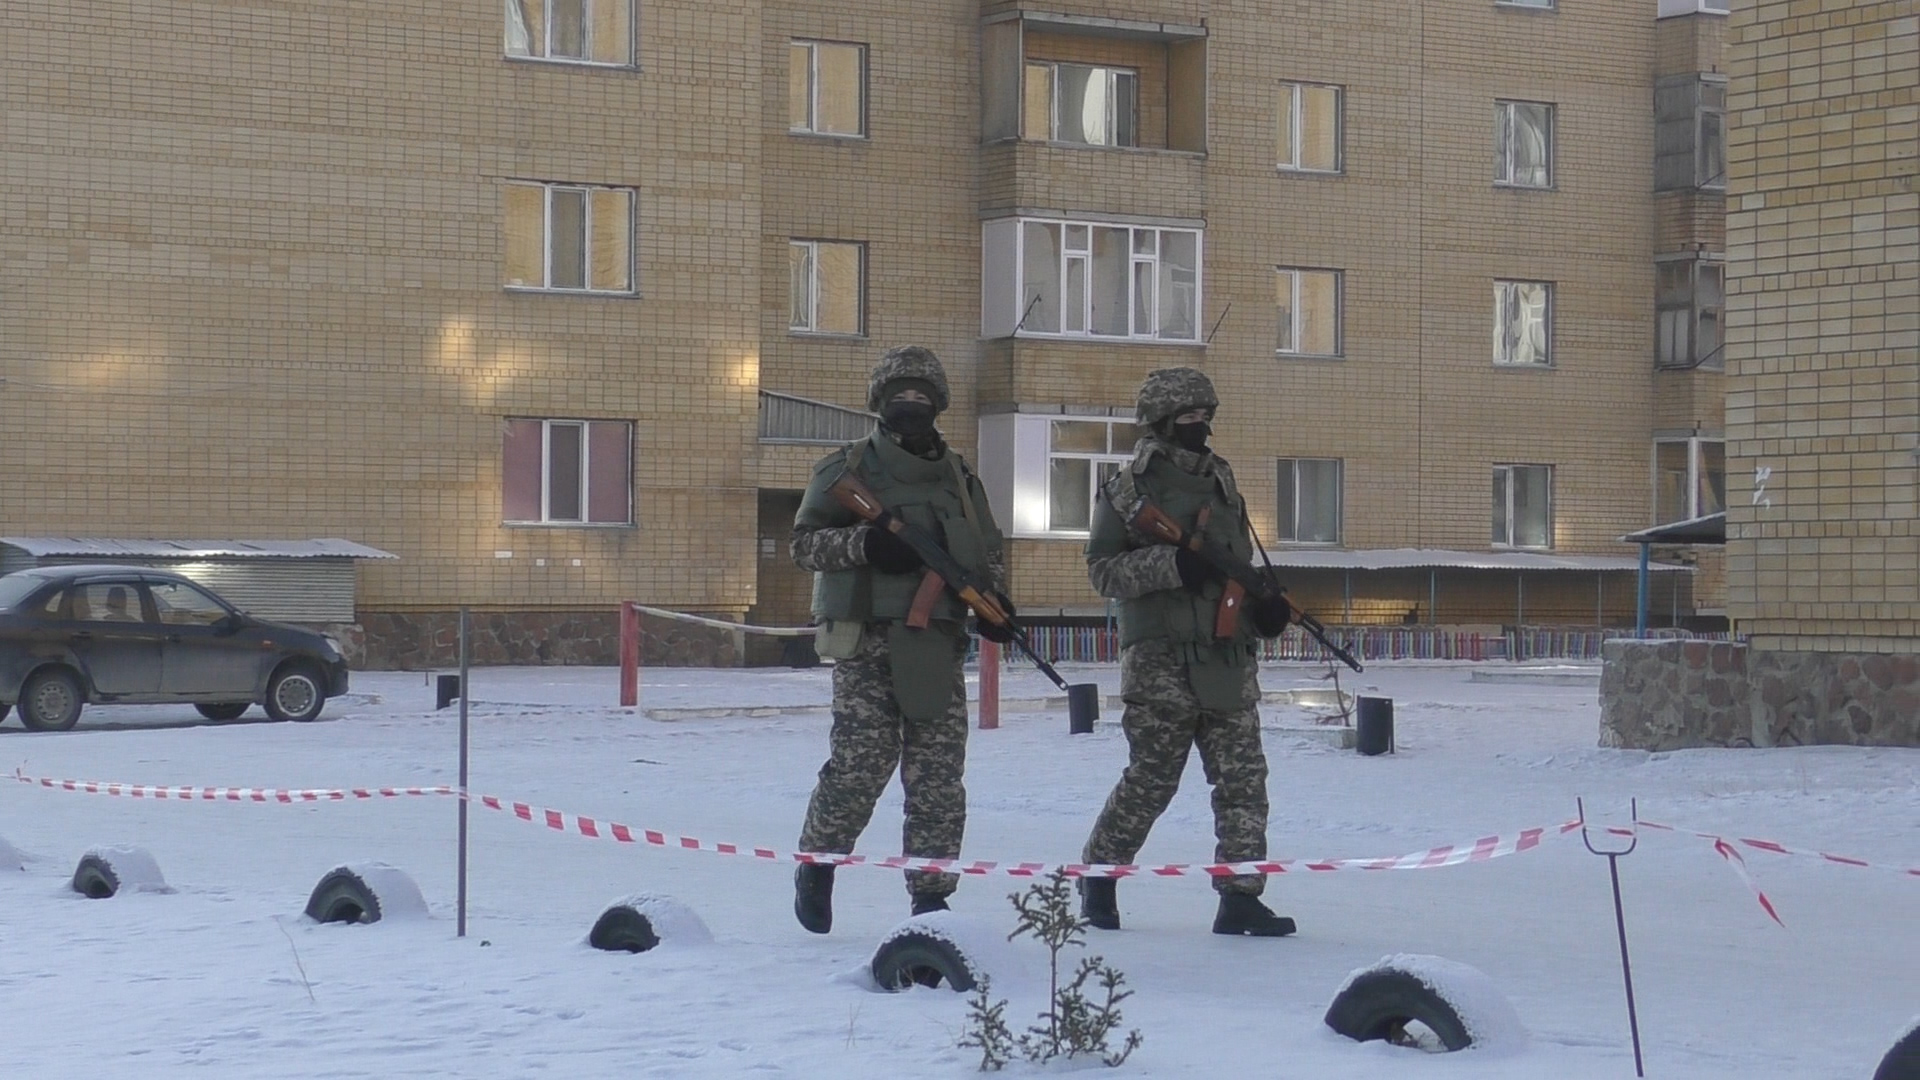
x: 226, y: 711
x: 51, y: 701
x: 296, y: 692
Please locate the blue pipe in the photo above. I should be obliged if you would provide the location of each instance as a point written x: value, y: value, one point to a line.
x: 1640, y: 608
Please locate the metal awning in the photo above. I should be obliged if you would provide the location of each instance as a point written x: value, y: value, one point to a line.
x: 1708, y: 529
x: 107, y: 549
x: 1442, y: 559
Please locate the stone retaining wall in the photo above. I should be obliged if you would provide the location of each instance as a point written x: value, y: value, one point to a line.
x: 415, y: 641
x: 1671, y: 695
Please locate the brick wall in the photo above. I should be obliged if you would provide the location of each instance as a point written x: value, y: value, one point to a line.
x: 1824, y: 314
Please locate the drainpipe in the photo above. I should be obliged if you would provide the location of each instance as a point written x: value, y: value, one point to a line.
x: 1640, y: 607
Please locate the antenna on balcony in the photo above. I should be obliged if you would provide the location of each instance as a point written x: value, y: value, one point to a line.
x: 1024, y: 314
x: 1218, y: 321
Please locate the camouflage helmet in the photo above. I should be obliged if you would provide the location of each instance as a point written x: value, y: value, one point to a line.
x: 1172, y: 391
x: 908, y: 363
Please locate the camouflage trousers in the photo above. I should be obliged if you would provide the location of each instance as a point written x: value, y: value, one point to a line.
x: 1162, y: 721
x: 870, y: 739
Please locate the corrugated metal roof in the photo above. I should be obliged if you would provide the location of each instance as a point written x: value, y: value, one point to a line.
x: 1440, y: 559
x: 109, y: 549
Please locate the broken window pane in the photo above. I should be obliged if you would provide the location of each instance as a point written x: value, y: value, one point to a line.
x: 1040, y: 295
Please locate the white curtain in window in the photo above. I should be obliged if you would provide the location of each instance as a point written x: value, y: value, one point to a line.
x: 521, y: 29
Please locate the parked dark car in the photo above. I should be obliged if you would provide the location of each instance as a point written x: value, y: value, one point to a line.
x: 130, y: 635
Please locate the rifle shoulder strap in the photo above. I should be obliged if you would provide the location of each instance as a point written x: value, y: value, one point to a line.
x: 961, y: 477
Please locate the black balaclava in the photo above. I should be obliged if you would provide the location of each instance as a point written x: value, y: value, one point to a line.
x: 911, y: 420
x: 1189, y: 437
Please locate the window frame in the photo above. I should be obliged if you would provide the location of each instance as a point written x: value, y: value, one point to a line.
x: 1118, y: 458
x: 1134, y: 257
x: 1110, y: 71
x: 1697, y: 474
x: 813, y: 245
x: 547, y: 521
x: 631, y: 63
x: 1701, y: 111
x: 1696, y: 263
x: 812, y: 45
x: 1504, y: 111
x: 1297, y: 106
x: 1528, y: 5
x: 547, y: 189
x: 1508, y: 469
x: 1339, y: 313
x: 1287, y: 520
x: 1501, y: 305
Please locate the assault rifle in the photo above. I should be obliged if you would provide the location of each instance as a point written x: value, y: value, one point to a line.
x: 943, y: 572
x: 1242, y: 577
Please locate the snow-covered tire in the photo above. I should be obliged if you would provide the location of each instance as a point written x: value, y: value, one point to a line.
x: 365, y: 893
x: 639, y: 922
x: 1903, y: 1061
x: 4, y: 710
x: 940, y: 948
x: 1459, y: 1004
x: 231, y: 710
x: 105, y: 872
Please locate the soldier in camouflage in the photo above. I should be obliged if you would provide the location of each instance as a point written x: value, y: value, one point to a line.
x: 899, y: 695
x: 1188, y: 673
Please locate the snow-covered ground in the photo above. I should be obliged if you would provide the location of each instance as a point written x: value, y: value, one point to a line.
x: 224, y: 977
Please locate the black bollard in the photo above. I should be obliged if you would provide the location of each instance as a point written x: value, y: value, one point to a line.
x: 446, y: 689
x: 1083, y: 707
x: 1373, y: 732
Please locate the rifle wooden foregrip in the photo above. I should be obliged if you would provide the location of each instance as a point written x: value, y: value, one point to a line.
x: 921, y: 612
x: 1226, y: 619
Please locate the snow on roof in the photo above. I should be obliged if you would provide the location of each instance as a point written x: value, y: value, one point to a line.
x: 41, y: 547
x: 1441, y: 559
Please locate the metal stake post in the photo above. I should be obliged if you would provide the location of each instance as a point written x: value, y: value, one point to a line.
x: 1620, y: 920
x: 461, y: 921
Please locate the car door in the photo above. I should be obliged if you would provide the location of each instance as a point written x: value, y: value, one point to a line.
x: 210, y: 652
x: 114, y: 636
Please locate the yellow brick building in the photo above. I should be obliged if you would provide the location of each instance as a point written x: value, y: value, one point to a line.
x: 557, y: 300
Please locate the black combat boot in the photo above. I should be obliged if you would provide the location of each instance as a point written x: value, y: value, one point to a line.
x: 813, y: 896
x: 925, y: 902
x: 1244, y: 914
x: 1097, y: 904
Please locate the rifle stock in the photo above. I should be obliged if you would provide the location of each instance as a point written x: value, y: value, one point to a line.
x: 977, y: 593
x: 1152, y: 521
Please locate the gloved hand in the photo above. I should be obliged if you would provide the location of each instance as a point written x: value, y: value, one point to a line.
x: 1195, y: 571
x: 888, y: 553
x: 1271, y: 615
x: 998, y: 634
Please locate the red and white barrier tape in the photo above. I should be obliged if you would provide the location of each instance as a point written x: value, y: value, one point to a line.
x: 1773, y: 847
x: 229, y: 794
x: 1482, y: 850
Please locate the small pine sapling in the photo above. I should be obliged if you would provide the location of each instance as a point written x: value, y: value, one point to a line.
x: 1075, y: 1024
x: 987, y: 1029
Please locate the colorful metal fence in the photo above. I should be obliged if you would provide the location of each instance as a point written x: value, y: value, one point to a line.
x: 1100, y: 644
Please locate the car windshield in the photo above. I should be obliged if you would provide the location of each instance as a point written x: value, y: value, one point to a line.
x: 16, y: 587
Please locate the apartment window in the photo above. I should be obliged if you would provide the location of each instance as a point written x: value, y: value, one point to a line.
x: 1523, y: 506
x: 1309, y: 500
x: 1689, y: 312
x: 827, y: 88
x: 571, y: 31
x: 1689, y: 478
x: 1523, y: 323
x: 1690, y: 133
x: 569, y: 238
x: 827, y: 283
x: 567, y: 472
x: 1310, y: 127
x: 1081, y: 103
x: 1081, y: 456
x: 1309, y: 310
x: 1088, y: 279
x: 1538, y: 5
x: 1523, y: 136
